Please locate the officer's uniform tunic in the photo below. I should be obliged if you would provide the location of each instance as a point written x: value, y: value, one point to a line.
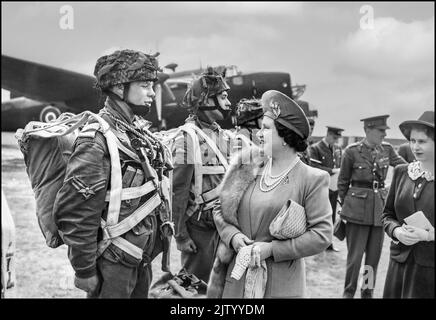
x: 362, y: 194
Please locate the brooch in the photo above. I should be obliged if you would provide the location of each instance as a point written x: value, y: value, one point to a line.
x: 275, y: 108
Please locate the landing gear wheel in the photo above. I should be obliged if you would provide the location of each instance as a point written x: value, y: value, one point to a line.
x: 49, y: 113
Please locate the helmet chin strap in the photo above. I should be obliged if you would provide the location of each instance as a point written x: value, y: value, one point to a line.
x: 132, y: 105
x: 216, y: 106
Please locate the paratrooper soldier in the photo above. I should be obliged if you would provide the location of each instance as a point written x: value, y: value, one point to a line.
x: 249, y: 115
x: 362, y: 194
x: 200, y: 152
x: 111, y: 245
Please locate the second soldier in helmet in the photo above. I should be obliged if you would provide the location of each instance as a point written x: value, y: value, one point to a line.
x: 200, y: 154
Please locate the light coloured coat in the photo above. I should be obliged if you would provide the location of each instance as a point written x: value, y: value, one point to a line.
x: 286, y: 269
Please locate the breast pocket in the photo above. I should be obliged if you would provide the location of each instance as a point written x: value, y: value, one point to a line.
x: 361, y: 172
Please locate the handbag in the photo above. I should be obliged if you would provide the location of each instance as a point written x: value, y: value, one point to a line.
x: 290, y: 222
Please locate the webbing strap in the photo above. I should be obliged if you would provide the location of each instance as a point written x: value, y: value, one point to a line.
x: 116, y: 179
x: 212, y: 170
x: 128, y: 152
x: 128, y: 247
x: 208, y: 206
x: 200, y: 169
x: 121, y: 243
x: 211, y: 194
x: 116, y: 230
x: 134, y: 192
x: 198, y: 176
x: 211, y: 144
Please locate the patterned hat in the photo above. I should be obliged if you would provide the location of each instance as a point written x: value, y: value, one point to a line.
x: 208, y: 85
x: 125, y: 66
x: 285, y: 111
x: 248, y: 110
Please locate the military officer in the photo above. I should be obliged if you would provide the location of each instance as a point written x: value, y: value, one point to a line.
x: 200, y: 152
x: 326, y: 155
x: 362, y: 194
x: 111, y: 247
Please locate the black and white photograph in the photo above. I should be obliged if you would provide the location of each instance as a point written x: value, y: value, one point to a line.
x: 216, y: 150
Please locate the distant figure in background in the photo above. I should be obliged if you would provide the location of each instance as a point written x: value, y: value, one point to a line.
x: 304, y: 156
x: 411, y: 266
x: 326, y: 155
x: 362, y: 196
x: 406, y: 152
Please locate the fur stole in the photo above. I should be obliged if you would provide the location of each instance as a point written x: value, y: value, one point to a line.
x: 242, y: 171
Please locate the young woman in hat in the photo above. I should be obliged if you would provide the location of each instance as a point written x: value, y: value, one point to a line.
x: 254, y: 190
x: 411, y: 267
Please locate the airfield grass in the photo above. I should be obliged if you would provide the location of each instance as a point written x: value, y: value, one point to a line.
x: 42, y: 272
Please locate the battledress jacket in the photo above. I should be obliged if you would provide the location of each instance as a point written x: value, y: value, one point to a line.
x: 184, y: 205
x: 80, y: 203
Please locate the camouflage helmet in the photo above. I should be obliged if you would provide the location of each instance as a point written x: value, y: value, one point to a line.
x: 248, y: 110
x: 124, y: 66
x: 208, y: 85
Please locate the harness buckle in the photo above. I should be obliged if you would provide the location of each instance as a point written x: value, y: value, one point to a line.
x: 106, y: 233
x: 375, y: 186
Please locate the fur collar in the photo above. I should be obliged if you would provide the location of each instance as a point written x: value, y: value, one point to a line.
x: 242, y: 171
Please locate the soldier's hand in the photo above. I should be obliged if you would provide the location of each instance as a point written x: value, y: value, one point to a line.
x: 187, y: 245
x: 405, y: 237
x: 240, y: 240
x: 90, y: 285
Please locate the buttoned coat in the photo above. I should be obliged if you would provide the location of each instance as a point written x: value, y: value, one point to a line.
x: 286, y: 270
x: 406, y: 197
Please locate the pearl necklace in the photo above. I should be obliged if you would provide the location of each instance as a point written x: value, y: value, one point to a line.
x: 268, y: 182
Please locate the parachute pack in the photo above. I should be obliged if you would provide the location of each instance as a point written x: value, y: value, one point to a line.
x: 46, y: 148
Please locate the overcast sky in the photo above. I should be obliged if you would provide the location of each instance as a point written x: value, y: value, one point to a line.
x: 351, y: 70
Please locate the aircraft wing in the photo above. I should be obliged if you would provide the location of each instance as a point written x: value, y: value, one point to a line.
x: 48, y: 84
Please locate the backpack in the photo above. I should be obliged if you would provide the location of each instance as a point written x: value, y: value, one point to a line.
x: 46, y: 148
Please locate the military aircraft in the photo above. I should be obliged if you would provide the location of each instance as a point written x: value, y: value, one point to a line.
x: 49, y: 91
x: 242, y: 85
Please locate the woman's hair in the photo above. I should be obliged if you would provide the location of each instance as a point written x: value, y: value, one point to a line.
x: 421, y: 127
x: 291, y: 138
